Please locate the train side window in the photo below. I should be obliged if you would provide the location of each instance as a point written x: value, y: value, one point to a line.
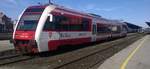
x: 116, y: 29
x: 85, y: 24
x: 103, y: 28
x: 58, y: 23
x: 75, y: 27
x: 63, y: 23
x: 124, y: 28
x: 75, y: 24
x: 50, y: 26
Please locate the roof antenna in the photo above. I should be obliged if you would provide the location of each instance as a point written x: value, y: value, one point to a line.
x: 39, y: 3
x: 50, y: 2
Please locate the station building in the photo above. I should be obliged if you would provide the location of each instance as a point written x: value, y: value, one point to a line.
x: 6, y: 24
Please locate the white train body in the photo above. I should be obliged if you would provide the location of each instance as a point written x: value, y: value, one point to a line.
x: 44, y: 28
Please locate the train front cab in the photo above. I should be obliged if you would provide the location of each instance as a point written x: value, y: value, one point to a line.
x: 26, y: 29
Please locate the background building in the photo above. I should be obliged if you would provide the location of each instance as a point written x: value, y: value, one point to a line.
x: 6, y: 24
x: 148, y: 23
x: 133, y: 28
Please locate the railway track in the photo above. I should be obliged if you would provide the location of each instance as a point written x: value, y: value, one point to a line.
x: 109, y: 49
x: 13, y: 59
x: 78, y: 59
x: 9, y: 56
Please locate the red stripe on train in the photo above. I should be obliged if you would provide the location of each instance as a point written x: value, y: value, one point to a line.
x: 24, y: 35
x: 53, y: 44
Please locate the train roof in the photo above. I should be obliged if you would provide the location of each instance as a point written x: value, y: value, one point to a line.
x: 63, y: 9
x: 100, y: 19
x: 72, y: 10
x: 37, y: 6
x: 97, y: 18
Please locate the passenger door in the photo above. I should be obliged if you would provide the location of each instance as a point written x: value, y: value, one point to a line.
x: 94, y: 32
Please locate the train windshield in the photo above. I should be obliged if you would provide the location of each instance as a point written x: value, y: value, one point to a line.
x: 30, y: 18
x: 28, y: 22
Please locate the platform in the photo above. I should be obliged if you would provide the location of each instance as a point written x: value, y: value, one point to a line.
x: 136, y: 56
x: 5, y: 45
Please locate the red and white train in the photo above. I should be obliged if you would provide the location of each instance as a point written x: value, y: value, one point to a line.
x: 45, y: 28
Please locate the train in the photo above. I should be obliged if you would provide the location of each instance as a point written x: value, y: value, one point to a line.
x: 44, y: 28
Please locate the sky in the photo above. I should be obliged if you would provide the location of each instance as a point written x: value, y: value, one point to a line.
x: 133, y: 11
